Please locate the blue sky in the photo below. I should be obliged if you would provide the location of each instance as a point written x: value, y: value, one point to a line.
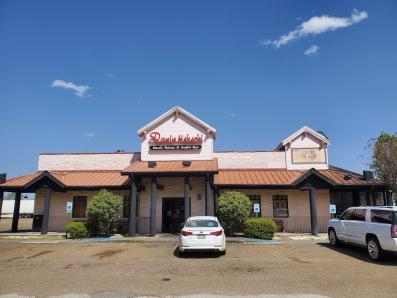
x: 224, y: 61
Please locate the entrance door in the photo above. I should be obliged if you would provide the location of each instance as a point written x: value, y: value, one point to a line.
x: 173, y: 214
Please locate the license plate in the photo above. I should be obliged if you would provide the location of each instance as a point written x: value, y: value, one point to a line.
x: 201, y: 237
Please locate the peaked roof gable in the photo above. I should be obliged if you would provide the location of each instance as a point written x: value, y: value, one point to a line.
x: 177, y: 110
x: 307, y: 130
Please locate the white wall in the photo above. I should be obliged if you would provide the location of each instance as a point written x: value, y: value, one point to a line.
x: 175, y: 126
x: 86, y: 161
x: 251, y: 160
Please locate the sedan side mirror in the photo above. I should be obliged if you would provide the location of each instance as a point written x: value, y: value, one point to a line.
x: 337, y: 216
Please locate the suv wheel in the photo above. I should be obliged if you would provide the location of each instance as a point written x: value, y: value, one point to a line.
x: 333, y: 239
x: 374, y: 249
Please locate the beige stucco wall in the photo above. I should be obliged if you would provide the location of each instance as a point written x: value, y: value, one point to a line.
x: 298, y: 207
x: 58, y: 216
x: 173, y: 187
x: 298, y: 203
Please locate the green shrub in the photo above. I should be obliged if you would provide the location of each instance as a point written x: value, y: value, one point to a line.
x: 262, y: 228
x: 233, y: 208
x: 76, y: 229
x: 102, y: 212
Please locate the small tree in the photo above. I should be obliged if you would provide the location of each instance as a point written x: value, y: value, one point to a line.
x: 102, y: 212
x: 384, y: 158
x: 233, y: 208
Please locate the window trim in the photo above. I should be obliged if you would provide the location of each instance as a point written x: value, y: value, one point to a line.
x: 276, y: 197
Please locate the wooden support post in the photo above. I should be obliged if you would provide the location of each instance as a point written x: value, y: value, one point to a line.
x: 46, y: 214
x: 207, y: 195
x: 368, y: 197
x: 313, y: 209
x: 15, y: 217
x: 216, y: 195
x: 2, y: 180
x: 1, y: 201
x: 132, y: 211
x: 186, y: 192
x: 153, y: 205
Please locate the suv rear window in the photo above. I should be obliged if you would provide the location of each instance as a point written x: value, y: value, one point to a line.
x: 383, y: 216
x: 202, y: 223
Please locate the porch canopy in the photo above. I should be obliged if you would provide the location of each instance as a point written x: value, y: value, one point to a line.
x: 59, y: 181
x: 127, y: 179
x: 154, y: 169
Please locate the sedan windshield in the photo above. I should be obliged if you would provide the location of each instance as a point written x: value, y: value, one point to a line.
x: 202, y: 223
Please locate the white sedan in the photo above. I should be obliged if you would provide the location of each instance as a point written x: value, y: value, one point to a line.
x: 202, y: 233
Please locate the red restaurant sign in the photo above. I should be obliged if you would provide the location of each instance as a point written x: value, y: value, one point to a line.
x: 180, y: 142
x: 156, y: 138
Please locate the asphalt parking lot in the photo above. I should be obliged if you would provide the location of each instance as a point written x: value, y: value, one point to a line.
x: 294, y: 267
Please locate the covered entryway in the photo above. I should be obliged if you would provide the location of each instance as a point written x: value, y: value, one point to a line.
x: 176, y: 208
x: 30, y: 184
x: 173, y: 214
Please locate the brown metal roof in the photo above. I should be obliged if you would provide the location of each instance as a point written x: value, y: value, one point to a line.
x: 20, y: 181
x: 94, y: 178
x: 225, y: 177
x: 286, y: 177
x: 338, y: 176
x: 196, y: 166
x: 257, y: 176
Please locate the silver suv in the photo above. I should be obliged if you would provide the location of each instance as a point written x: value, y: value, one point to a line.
x: 373, y: 227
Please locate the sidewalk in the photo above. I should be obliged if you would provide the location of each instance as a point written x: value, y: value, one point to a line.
x: 159, y: 238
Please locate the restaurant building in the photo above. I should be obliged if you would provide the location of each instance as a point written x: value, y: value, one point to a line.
x: 177, y: 173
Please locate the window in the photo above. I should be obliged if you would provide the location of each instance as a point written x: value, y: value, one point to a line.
x: 363, y: 198
x: 255, y: 199
x: 379, y: 199
x: 358, y: 214
x: 202, y: 223
x: 126, y: 206
x: 381, y: 216
x: 280, y: 206
x: 347, y: 214
x: 79, y: 206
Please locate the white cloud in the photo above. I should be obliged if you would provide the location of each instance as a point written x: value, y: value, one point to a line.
x: 317, y: 25
x: 78, y: 90
x: 312, y: 50
x: 90, y: 135
x: 110, y: 75
x: 232, y: 114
